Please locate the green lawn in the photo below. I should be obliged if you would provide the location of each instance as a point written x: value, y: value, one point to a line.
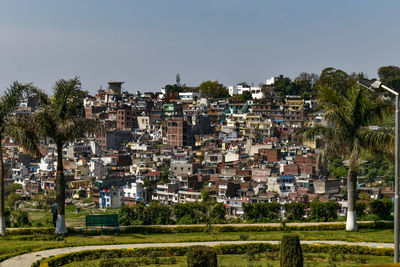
x: 262, y: 260
x: 10, y: 244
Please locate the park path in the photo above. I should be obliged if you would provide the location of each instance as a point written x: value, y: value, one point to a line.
x: 26, y: 260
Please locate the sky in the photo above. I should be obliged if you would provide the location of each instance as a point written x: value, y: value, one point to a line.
x: 146, y: 43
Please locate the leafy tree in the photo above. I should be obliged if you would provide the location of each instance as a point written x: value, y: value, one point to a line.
x: 213, y: 89
x: 390, y: 76
x: 285, y: 86
x: 11, y: 199
x: 173, y: 88
x: 62, y: 120
x: 246, y: 95
x: 156, y: 213
x: 336, y: 79
x: 305, y: 83
x: 337, y: 169
x: 360, y: 208
x: 126, y: 215
x: 381, y: 207
x: 262, y: 212
x: 11, y: 188
x: 18, y: 128
x: 295, y: 211
x: 348, y: 114
x: 323, y: 211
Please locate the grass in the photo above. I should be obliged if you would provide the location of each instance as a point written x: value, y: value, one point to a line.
x: 10, y: 244
x: 72, y: 218
x: 264, y: 260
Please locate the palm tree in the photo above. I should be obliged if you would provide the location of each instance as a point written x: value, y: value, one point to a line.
x: 62, y: 120
x: 348, y: 116
x: 17, y: 128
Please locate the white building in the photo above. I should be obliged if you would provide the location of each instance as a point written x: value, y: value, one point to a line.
x: 273, y: 80
x: 239, y: 89
x: 189, y: 96
x: 134, y: 190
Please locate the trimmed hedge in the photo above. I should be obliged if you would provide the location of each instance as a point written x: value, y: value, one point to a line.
x: 63, y: 259
x: 148, y: 229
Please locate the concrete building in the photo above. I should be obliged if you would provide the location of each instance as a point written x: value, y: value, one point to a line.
x: 326, y: 186
x: 111, y: 198
x: 179, y: 133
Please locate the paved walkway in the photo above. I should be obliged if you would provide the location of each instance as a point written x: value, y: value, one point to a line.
x: 26, y: 260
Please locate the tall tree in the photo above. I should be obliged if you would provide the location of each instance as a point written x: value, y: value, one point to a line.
x: 305, y: 83
x: 62, y: 120
x: 213, y: 89
x: 348, y: 115
x: 334, y: 78
x: 390, y: 76
x: 17, y: 127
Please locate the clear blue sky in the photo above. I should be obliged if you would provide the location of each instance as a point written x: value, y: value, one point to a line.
x: 146, y: 43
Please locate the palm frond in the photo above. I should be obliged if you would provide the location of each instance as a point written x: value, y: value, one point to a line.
x: 377, y: 142
x: 24, y: 131
x: 11, y: 99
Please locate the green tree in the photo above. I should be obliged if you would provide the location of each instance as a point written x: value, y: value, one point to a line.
x: 213, y: 89
x: 62, y: 120
x: 126, y: 215
x: 305, y: 83
x: 336, y: 79
x: 390, y: 76
x: 18, y: 128
x: 323, y: 211
x: 295, y: 211
x: 337, y: 169
x: 381, y: 207
x: 348, y: 115
x: 246, y: 95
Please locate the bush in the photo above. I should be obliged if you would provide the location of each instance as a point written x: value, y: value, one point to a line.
x: 85, y: 255
x: 295, y: 211
x: 290, y: 252
x: 323, y: 211
x: 262, y: 212
x: 126, y: 215
x: 360, y: 208
x: 381, y: 207
x: 201, y: 256
x: 108, y: 263
x: 20, y: 218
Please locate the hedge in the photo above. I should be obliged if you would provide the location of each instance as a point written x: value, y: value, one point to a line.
x: 63, y: 259
x: 145, y: 229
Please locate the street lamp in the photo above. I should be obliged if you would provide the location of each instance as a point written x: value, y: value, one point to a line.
x: 373, y: 86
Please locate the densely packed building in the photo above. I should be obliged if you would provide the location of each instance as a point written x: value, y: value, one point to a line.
x: 169, y: 146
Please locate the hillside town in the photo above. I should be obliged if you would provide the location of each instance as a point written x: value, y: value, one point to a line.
x: 169, y: 146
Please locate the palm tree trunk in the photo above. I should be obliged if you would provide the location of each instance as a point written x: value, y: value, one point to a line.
x: 2, y: 213
x: 351, y: 223
x: 61, y: 227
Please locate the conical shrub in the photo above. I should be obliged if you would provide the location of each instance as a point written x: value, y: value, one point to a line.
x: 290, y: 251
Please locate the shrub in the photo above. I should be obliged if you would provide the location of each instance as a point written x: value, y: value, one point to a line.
x: 360, y: 208
x: 20, y: 218
x: 126, y: 215
x: 323, y: 211
x: 290, y: 252
x: 108, y: 263
x: 201, y: 256
x: 381, y: 207
x: 262, y: 212
x: 294, y: 210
